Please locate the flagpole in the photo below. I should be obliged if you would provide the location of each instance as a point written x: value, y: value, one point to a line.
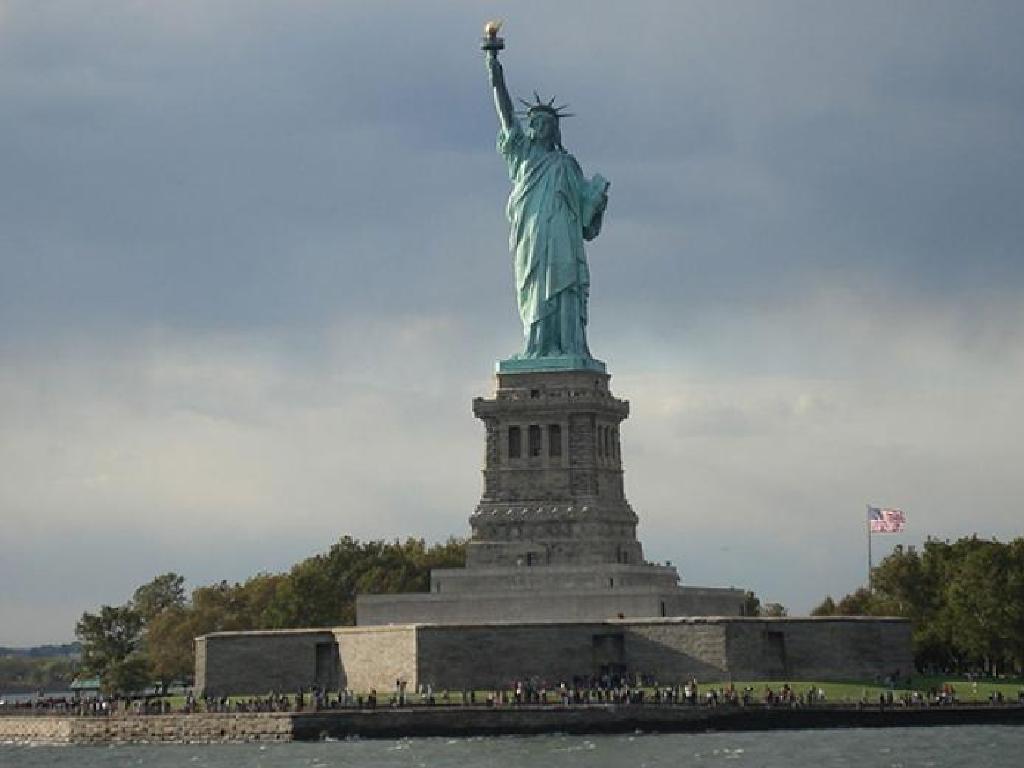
x: 867, y: 522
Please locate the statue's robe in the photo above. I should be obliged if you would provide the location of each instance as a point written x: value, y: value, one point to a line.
x: 550, y: 205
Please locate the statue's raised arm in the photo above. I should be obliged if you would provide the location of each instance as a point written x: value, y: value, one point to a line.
x: 502, y: 101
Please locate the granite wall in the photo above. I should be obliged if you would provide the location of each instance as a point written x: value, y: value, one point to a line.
x: 373, y: 658
x: 146, y: 729
x: 457, y: 656
x: 820, y: 648
x: 553, y: 593
x: 465, y: 722
x: 258, y: 662
x: 488, y: 608
x: 676, y: 651
x: 669, y: 649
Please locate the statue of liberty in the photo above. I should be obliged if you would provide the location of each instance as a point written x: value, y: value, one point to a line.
x: 552, y: 209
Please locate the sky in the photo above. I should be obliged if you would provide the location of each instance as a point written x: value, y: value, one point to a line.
x: 254, y: 268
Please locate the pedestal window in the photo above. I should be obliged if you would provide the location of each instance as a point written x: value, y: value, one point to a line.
x: 534, y: 440
x: 554, y: 440
x: 515, y: 442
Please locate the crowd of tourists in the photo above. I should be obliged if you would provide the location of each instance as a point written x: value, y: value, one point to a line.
x: 604, y: 690
x: 99, y: 705
x: 86, y: 705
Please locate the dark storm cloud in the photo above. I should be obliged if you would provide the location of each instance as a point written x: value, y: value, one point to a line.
x: 224, y: 165
x: 229, y: 172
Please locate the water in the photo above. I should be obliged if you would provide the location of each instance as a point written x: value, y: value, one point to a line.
x: 988, y: 746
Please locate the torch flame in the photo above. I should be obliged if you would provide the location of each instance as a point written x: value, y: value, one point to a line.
x: 491, y: 27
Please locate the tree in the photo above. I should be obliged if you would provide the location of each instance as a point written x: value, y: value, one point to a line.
x: 1015, y: 605
x: 110, y: 648
x: 826, y: 607
x: 29, y: 672
x: 913, y: 585
x: 965, y: 599
x: 163, y: 592
x: 152, y: 636
x: 169, y: 645
x: 977, y: 602
x: 321, y: 590
x: 751, y: 604
x: 225, y: 606
x: 858, y: 603
x: 129, y: 675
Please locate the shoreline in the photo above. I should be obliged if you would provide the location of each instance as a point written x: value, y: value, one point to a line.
x: 458, y: 721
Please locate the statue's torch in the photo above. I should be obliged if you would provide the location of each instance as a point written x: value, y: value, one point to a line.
x: 490, y: 41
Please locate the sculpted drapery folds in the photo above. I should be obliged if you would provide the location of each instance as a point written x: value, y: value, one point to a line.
x: 552, y: 209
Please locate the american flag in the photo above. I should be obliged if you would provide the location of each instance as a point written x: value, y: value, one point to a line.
x: 886, y: 520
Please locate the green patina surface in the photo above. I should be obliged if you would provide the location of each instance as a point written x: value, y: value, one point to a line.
x: 550, y: 363
x: 551, y: 209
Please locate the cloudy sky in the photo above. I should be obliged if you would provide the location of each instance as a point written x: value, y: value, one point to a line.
x: 253, y: 270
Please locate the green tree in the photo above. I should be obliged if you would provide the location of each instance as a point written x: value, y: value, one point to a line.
x: 129, y: 675
x: 1015, y: 605
x: 751, y: 604
x: 913, y: 585
x: 256, y: 595
x: 169, y: 645
x: 321, y: 590
x: 863, y: 602
x: 163, y: 592
x: 110, y: 648
x: 37, y: 673
x: 965, y: 598
x: 981, y: 615
x: 224, y: 606
x: 158, y: 627
x: 826, y: 607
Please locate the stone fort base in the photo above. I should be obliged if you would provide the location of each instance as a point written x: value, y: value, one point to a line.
x: 552, y: 605
x: 481, y: 656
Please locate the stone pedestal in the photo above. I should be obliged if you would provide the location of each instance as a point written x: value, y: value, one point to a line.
x: 553, y: 491
x: 553, y: 537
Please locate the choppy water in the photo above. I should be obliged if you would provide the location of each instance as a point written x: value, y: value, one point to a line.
x: 989, y: 746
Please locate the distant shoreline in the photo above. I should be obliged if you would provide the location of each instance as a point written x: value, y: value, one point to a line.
x: 457, y: 721
x: 28, y: 693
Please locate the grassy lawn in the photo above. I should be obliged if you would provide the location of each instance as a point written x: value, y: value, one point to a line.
x: 966, y: 690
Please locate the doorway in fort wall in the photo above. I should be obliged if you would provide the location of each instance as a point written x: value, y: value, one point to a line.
x: 608, y: 654
x: 327, y: 666
x: 773, y: 653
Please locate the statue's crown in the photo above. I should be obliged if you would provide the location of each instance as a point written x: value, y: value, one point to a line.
x: 539, y: 105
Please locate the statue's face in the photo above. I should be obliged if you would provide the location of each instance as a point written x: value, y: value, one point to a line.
x: 543, y: 127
